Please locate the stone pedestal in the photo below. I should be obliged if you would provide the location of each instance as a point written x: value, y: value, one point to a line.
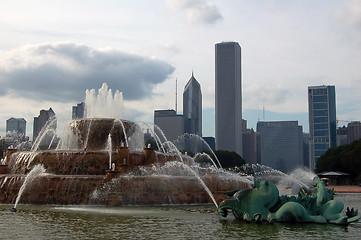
x: 150, y: 156
x: 125, y: 168
x: 123, y: 157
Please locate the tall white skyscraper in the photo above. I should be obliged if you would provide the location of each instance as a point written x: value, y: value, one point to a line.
x: 228, y: 97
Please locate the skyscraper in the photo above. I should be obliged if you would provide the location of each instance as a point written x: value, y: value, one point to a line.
x: 322, y: 121
x: 78, y: 111
x: 192, y: 107
x: 170, y: 123
x: 228, y: 97
x: 41, y: 120
x: 281, y: 144
x: 16, y: 124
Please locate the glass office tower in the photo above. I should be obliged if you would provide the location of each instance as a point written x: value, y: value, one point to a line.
x: 322, y: 121
x: 192, y: 107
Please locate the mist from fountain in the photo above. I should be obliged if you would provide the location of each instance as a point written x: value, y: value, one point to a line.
x: 48, y: 129
x: 118, y: 121
x: 195, y: 144
x: 110, y: 150
x: 103, y: 104
x: 207, y: 157
x: 36, y: 171
x: 136, y: 140
x: 160, y: 146
x: 176, y: 168
x: 88, y: 133
x: 298, y: 178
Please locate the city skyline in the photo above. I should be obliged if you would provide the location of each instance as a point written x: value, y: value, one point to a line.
x: 51, y: 59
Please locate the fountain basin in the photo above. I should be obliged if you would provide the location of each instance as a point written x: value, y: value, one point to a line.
x: 91, y: 134
x: 79, y: 162
x: 123, y: 190
x: 95, y: 166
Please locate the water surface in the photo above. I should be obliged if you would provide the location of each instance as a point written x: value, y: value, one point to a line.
x: 160, y: 222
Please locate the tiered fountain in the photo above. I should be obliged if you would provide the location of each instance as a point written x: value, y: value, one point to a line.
x: 102, y: 160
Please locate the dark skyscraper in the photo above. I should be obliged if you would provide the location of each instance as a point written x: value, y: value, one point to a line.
x: 228, y: 97
x: 192, y: 107
x: 16, y: 124
x: 322, y: 121
x: 78, y: 111
x: 41, y: 120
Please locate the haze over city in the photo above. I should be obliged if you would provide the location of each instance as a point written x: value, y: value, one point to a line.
x: 51, y: 52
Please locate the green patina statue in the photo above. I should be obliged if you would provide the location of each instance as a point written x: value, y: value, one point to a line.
x: 263, y: 203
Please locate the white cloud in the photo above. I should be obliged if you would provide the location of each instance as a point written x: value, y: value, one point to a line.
x: 63, y: 71
x: 347, y: 18
x: 198, y: 11
x: 261, y: 93
x: 205, y: 14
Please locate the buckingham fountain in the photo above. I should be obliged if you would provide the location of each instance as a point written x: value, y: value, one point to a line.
x: 102, y: 160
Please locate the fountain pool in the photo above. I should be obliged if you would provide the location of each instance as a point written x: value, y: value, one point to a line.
x: 157, y: 222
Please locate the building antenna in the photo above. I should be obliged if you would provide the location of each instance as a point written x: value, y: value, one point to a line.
x: 264, y: 114
x: 176, y: 96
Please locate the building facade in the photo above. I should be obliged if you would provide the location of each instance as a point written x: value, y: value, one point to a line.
x: 41, y: 120
x: 78, y: 111
x: 228, y: 105
x: 170, y: 123
x: 346, y: 135
x: 16, y: 125
x: 281, y: 144
x: 353, y: 131
x: 322, y: 121
x: 249, y: 144
x: 192, y: 107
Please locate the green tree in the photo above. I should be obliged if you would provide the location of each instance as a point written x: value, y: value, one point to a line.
x: 226, y: 158
x: 345, y: 158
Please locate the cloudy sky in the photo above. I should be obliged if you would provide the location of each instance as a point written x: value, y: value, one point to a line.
x: 52, y: 51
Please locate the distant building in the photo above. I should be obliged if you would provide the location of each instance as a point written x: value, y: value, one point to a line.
x: 41, y: 120
x: 306, y: 150
x: 171, y: 124
x: 341, y: 136
x: 322, y: 121
x: 353, y: 131
x: 346, y: 135
x: 78, y: 111
x: 249, y: 142
x: 228, y: 105
x: 192, y: 107
x: 281, y: 144
x: 16, y: 125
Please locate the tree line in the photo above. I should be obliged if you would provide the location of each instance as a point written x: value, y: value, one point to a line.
x: 345, y: 158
